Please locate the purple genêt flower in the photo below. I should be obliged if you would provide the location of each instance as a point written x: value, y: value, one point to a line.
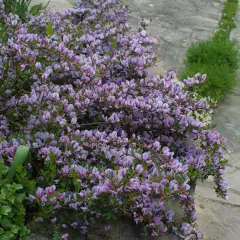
x: 50, y: 190
x: 40, y: 192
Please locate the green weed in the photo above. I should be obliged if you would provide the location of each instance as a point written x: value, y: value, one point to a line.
x: 216, y: 57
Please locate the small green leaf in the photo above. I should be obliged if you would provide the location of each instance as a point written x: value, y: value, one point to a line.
x: 114, y: 43
x: 180, y: 179
x: 4, y: 210
x: 49, y: 29
x: 224, y: 162
x: 6, y: 223
x: 14, y: 229
x: 111, y: 175
x: 16, y: 187
x: 37, y: 9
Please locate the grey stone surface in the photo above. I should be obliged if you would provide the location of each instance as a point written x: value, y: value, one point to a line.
x: 176, y: 24
x: 235, y: 34
x: 220, y: 219
x: 55, y: 5
x: 120, y: 230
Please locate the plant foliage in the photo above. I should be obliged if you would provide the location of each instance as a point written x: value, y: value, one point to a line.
x: 22, y: 7
x: 110, y: 140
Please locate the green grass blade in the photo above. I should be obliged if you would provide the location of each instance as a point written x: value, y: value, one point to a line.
x: 1, y: 169
x: 49, y: 29
x: 20, y: 157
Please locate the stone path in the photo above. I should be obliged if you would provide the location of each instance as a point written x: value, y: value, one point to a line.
x: 55, y: 5
x: 176, y: 25
x: 221, y: 219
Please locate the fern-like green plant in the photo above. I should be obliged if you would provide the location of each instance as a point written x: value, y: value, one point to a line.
x: 12, y: 196
x: 22, y: 7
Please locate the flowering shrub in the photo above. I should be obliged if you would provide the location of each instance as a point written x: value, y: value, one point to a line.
x: 110, y: 139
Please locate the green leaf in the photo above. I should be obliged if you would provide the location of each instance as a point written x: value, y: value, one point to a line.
x: 49, y: 29
x: 180, y: 179
x: 38, y: 8
x: 1, y: 169
x: 20, y: 197
x: 4, y: 210
x: 111, y: 175
x: 6, y: 236
x: 16, y: 187
x: 20, y: 157
x: 114, y: 45
x: 224, y: 162
x: 6, y: 223
x: 14, y: 229
x: 35, y: 10
x: 109, y: 215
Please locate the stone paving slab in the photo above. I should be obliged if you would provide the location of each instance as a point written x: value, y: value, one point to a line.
x: 235, y: 34
x: 220, y: 222
x: 176, y: 24
x: 227, y: 119
x: 227, y: 224
x: 54, y: 5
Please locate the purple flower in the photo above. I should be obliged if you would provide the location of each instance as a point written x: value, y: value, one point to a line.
x: 46, y: 116
x: 43, y: 199
x: 50, y: 190
x: 64, y: 236
x: 40, y: 192
x: 8, y: 91
x: 31, y: 198
x: 74, y: 224
x: 38, y: 65
x: 107, y: 228
x: 139, y: 169
x: 53, y: 199
x: 143, y: 33
x: 64, y: 226
x: 54, y: 220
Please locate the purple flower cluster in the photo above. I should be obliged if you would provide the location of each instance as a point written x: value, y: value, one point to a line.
x: 117, y: 136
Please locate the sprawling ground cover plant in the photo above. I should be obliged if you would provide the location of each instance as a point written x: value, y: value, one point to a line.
x: 110, y: 139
